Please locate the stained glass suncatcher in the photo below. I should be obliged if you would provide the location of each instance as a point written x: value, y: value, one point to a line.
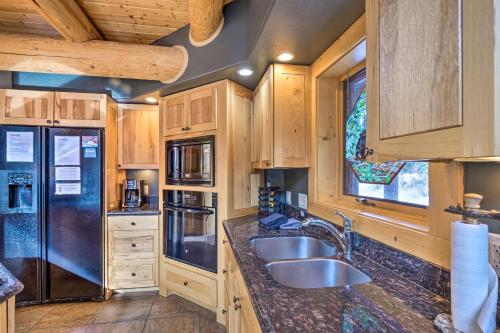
x: 355, y: 132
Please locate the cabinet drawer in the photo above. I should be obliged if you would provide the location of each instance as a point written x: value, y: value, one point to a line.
x: 132, y: 244
x: 133, y: 222
x: 192, y: 285
x: 137, y: 273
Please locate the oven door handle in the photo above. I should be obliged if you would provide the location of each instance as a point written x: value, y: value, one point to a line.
x: 190, y: 210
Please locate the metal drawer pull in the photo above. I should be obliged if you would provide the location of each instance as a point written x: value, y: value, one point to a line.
x: 237, y: 307
x: 235, y: 299
x: 185, y: 283
x: 224, y: 241
x: 132, y: 223
x: 133, y: 274
x: 223, y: 311
x: 133, y: 245
x: 224, y: 271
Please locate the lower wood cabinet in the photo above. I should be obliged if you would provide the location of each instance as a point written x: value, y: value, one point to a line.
x: 133, y: 273
x: 133, y: 245
x: 240, y: 315
x: 194, y: 284
x: 7, y: 315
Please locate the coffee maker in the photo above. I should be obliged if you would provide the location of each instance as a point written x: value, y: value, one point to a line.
x: 132, y: 194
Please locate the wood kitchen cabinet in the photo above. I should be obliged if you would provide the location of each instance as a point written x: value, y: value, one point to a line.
x: 133, y: 247
x: 26, y: 107
x: 80, y: 109
x: 280, y: 122
x: 44, y: 108
x: 240, y: 315
x: 431, y: 73
x: 190, y: 112
x: 138, y: 136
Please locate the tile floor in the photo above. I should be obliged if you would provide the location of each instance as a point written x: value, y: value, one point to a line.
x: 131, y: 313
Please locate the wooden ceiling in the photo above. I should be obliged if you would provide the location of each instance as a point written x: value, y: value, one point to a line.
x: 131, y: 21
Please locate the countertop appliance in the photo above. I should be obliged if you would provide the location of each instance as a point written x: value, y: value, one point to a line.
x: 51, y: 211
x: 190, y: 224
x: 191, y: 161
x: 132, y: 193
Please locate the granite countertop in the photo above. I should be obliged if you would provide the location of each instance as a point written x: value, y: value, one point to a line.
x: 143, y: 210
x: 9, y: 285
x: 389, y: 303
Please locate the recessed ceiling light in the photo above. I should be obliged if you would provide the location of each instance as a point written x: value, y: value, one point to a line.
x: 285, y: 56
x: 151, y: 100
x: 245, y: 72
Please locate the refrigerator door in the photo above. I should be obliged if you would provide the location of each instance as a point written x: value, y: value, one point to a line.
x: 20, y: 219
x: 74, y: 213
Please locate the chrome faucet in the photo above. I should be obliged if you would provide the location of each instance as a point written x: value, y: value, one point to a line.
x: 344, y: 239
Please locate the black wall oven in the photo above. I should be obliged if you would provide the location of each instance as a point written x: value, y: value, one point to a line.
x: 190, y: 224
x: 190, y: 161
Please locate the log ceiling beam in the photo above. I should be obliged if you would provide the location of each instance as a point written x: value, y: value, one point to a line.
x: 206, y: 21
x: 25, y: 53
x: 68, y: 18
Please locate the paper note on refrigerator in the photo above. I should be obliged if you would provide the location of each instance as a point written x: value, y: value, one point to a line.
x: 68, y: 188
x: 67, y: 173
x: 19, y: 147
x: 67, y: 150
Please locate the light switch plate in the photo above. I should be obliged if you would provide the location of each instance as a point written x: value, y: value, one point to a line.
x: 288, y: 197
x: 303, y: 200
x: 494, y: 251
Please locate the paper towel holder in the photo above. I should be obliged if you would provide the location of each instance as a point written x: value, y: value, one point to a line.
x: 472, y: 211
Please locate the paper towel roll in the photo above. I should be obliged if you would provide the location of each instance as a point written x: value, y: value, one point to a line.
x: 469, y: 274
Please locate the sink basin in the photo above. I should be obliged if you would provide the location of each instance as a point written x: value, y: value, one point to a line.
x: 279, y: 248
x: 316, y: 273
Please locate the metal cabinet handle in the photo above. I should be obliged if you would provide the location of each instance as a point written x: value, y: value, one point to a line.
x: 223, y: 311
x: 49, y: 122
x: 56, y: 121
x: 133, y: 245
x: 185, y: 283
x: 188, y: 128
x: 235, y: 299
x: 132, y: 223
x: 133, y: 274
x: 224, y: 271
x: 237, y: 307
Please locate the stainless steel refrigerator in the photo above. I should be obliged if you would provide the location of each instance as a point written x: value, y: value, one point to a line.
x: 51, y: 211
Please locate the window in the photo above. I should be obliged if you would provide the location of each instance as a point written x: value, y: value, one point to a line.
x: 400, y: 182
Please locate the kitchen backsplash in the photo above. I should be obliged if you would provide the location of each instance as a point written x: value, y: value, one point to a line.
x: 150, y: 179
x: 293, y: 180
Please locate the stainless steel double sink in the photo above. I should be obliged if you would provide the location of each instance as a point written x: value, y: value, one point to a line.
x: 302, y: 262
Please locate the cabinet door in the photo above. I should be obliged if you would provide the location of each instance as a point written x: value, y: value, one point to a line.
x: 292, y: 93
x: 175, y: 115
x: 202, y: 112
x: 263, y: 122
x: 26, y: 107
x: 80, y: 110
x: 138, y: 136
x: 414, y: 78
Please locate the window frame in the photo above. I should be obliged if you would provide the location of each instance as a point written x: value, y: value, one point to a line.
x: 388, y: 203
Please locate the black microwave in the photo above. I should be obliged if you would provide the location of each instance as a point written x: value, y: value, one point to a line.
x: 190, y: 161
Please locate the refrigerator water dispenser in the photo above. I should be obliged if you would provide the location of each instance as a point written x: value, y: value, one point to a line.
x: 20, y: 190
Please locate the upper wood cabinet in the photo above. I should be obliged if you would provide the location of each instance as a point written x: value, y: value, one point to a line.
x: 138, y: 136
x: 80, y: 109
x: 280, y: 122
x: 190, y: 112
x: 26, y: 107
x: 44, y: 108
x: 431, y: 80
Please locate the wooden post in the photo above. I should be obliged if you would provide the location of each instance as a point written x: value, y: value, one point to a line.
x: 206, y: 21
